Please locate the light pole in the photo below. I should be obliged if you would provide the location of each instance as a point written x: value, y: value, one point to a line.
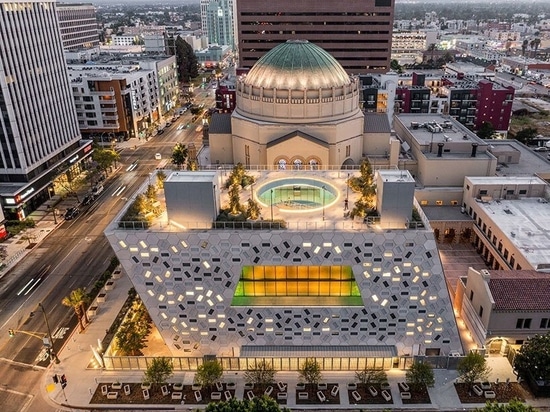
x: 52, y: 349
x: 324, y: 188
x: 271, y: 205
x: 347, y: 188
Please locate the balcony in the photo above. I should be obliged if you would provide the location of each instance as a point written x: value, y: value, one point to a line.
x: 103, y: 93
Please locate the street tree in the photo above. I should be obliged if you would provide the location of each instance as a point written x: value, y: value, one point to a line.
x: 159, y: 371
x: 262, y: 373
x: 186, y: 61
x: 78, y: 299
x: 420, y: 374
x: 473, y: 368
x: 513, y: 406
x: 526, y: 135
x: 486, y: 131
x: 105, y: 158
x: 179, y: 155
x: 258, y: 404
x: 161, y: 177
x: 209, y: 373
x: 310, y: 371
x: 532, y: 361
x: 371, y: 375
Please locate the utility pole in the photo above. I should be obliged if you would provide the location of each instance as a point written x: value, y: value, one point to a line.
x: 53, y: 354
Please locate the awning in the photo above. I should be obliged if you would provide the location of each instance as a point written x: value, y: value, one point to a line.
x: 319, y: 351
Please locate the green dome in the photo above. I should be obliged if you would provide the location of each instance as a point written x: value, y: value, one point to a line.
x: 297, y: 65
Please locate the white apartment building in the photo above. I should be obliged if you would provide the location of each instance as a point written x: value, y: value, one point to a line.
x: 39, y: 136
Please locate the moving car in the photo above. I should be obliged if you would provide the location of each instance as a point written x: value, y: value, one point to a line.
x: 96, y: 190
x: 71, y: 213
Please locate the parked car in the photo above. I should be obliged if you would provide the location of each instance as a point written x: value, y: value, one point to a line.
x: 158, y: 156
x: 540, y: 149
x: 97, y: 189
x: 88, y: 199
x: 161, y: 131
x: 71, y: 213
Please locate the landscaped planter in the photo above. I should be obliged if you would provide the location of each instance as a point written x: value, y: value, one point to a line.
x: 101, y: 297
x: 110, y: 285
x: 92, y: 310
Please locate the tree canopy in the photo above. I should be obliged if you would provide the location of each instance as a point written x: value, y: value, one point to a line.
x: 77, y: 299
x: 526, y: 134
x: 513, y: 406
x: 533, y: 358
x: 179, y: 154
x: 261, y: 374
x: 420, y: 374
x: 310, y: 371
x: 186, y: 61
x: 261, y: 404
x: 209, y: 373
x: 159, y: 371
x: 473, y: 368
x: 486, y: 131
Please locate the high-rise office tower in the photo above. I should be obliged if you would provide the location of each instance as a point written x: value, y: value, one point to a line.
x: 39, y: 136
x: 357, y: 33
x: 217, y: 19
x: 78, y: 24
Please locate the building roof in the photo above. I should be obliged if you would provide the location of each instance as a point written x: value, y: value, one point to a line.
x: 298, y: 133
x: 220, y: 123
x: 376, y: 123
x: 520, y: 290
x: 297, y: 65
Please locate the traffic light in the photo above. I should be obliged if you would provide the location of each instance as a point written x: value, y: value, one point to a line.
x: 11, y: 333
x: 63, y: 381
x: 55, y: 378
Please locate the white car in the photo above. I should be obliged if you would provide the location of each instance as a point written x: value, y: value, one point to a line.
x: 181, y: 126
x: 158, y: 156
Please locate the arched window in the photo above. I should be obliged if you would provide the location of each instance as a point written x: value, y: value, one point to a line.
x: 282, y: 164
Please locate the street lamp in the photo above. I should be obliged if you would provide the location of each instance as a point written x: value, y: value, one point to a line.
x: 347, y: 188
x: 324, y: 189
x: 51, y: 349
x: 272, y: 205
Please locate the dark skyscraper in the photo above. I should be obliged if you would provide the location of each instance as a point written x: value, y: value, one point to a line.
x: 356, y: 32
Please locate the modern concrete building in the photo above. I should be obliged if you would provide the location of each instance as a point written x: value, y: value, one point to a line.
x: 349, y: 292
x: 356, y: 33
x: 78, y: 25
x: 39, y: 136
x: 504, y: 307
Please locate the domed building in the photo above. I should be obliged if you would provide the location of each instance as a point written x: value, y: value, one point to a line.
x: 296, y: 108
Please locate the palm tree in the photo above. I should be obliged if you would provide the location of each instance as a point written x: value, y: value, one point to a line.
x: 78, y: 299
x: 524, y: 46
x: 535, y: 43
x: 432, y: 48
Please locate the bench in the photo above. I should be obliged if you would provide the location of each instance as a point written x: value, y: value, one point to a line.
x: 198, y: 396
x: 490, y: 395
x: 303, y: 395
x: 231, y: 386
x: 268, y: 390
x: 282, y: 395
x: 385, y: 386
x: 164, y: 390
x: 248, y: 386
x: 405, y: 395
x: 356, y: 396
x: 196, y: 387
x: 127, y: 390
x: 477, y: 390
x: 386, y: 395
x: 177, y: 396
x: 281, y: 386
x: 146, y: 395
x: 116, y: 385
x: 146, y: 385
x: 250, y: 395
x: 352, y: 386
x: 403, y: 386
x: 334, y: 391
x: 219, y: 386
x: 227, y: 395
x: 321, y: 396
x: 300, y: 386
x: 322, y: 386
x: 177, y: 386
x: 486, y: 386
x: 216, y: 396
x: 112, y: 395
x: 104, y: 390
x: 373, y: 391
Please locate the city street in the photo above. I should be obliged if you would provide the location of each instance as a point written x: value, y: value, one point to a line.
x: 70, y: 257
